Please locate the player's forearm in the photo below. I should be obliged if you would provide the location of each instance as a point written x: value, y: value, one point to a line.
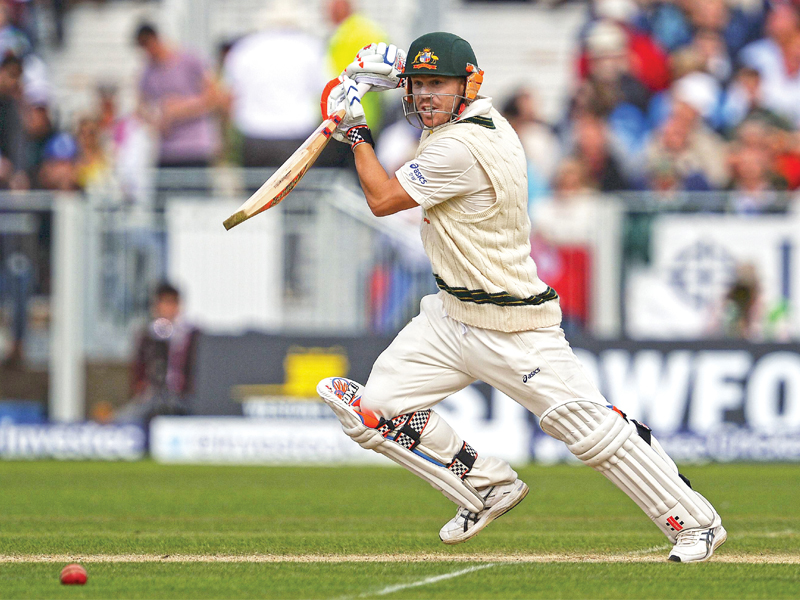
x: 373, y: 178
x: 384, y: 194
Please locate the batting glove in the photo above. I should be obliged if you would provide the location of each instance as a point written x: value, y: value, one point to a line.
x: 378, y: 65
x: 353, y: 129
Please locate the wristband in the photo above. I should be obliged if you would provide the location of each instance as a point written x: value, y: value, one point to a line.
x: 359, y: 135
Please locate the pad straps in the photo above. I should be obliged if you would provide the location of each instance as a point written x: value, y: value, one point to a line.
x: 463, y: 461
x: 386, y: 427
x: 411, y: 425
x: 409, y: 435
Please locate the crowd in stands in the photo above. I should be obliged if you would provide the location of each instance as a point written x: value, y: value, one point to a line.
x: 680, y: 96
x: 669, y: 95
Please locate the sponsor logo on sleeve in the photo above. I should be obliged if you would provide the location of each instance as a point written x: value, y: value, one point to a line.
x: 414, y: 174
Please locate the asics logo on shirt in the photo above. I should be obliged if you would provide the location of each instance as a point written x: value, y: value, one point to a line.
x: 416, y: 174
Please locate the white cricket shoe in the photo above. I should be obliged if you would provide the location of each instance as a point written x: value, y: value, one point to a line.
x: 696, y: 545
x: 497, y: 501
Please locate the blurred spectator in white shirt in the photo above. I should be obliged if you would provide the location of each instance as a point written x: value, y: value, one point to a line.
x: 568, y: 215
x: 275, y: 110
x: 777, y: 60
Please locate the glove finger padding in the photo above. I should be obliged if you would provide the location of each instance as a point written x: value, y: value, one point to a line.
x: 332, y: 97
x: 343, y: 92
x: 355, y: 112
x: 378, y: 65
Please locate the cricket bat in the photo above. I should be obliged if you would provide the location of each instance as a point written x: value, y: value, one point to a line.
x: 290, y: 173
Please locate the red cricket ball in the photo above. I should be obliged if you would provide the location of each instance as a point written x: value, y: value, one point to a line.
x: 73, y: 574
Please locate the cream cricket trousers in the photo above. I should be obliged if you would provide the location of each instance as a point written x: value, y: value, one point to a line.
x: 434, y: 356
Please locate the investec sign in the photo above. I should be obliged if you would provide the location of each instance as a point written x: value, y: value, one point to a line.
x: 81, y: 441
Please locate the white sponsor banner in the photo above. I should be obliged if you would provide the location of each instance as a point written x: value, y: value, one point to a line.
x: 243, y: 440
x: 694, y: 261
x: 725, y: 445
x: 304, y: 435
x: 83, y: 441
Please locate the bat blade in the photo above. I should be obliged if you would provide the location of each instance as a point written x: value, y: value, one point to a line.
x: 284, y: 180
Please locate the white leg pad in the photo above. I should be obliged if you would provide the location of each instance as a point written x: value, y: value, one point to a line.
x: 608, y: 442
x: 339, y: 393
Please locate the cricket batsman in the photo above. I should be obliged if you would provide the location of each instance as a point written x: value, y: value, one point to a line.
x: 493, y: 319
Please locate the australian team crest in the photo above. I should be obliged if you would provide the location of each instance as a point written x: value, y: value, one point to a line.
x: 425, y: 59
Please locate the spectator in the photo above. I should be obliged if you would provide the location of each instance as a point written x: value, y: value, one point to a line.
x: 538, y: 140
x: 666, y: 22
x: 593, y: 148
x: 695, y: 94
x: 620, y: 97
x: 162, y: 373
x: 735, y: 26
x: 93, y: 162
x: 563, y: 232
x: 609, y: 67
x: 785, y: 150
x: 685, y: 145
x: 710, y: 47
x: 675, y: 23
x: 777, y: 60
x: 744, y: 100
x: 649, y: 63
x: 59, y: 167
x: 741, y: 313
x: 568, y: 215
x: 39, y: 130
x: 178, y: 98
x: 352, y: 32
x: 12, y: 40
x: 680, y: 158
x: 752, y: 168
x: 126, y: 140
x: 12, y: 128
x: 273, y: 112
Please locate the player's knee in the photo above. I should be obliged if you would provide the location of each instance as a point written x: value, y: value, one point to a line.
x: 377, y: 405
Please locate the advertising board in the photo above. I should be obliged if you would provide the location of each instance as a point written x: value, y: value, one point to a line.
x: 723, y: 401
x: 79, y: 441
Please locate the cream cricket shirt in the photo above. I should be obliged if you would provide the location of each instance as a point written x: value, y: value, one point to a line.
x: 470, y: 177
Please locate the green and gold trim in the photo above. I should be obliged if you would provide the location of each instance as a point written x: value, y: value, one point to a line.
x: 482, y: 121
x: 497, y: 298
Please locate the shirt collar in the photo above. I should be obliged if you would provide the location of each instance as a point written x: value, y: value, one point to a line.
x: 480, y: 107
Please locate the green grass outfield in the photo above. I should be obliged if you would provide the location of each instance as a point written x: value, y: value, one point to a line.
x: 144, y: 530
